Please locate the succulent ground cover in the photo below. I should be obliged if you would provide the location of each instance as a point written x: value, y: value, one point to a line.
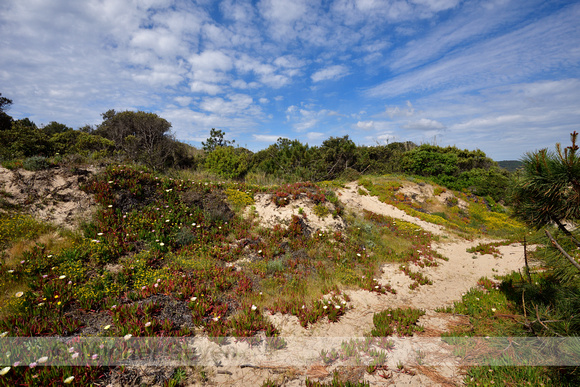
x: 157, y: 245
x: 170, y: 257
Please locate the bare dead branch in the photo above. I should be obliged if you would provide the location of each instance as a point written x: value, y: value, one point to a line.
x: 564, y: 253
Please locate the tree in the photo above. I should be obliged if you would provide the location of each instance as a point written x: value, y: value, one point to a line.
x: 547, y: 192
x: 229, y: 162
x: 334, y: 156
x: 23, y: 139
x: 288, y: 158
x: 4, y: 103
x: 140, y: 136
x: 5, y: 119
x: 216, y: 139
x: 55, y: 128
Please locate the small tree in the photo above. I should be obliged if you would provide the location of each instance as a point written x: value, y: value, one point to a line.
x: 142, y: 137
x: 5, y: 119
x: 548, y: 192
x: 216, y: 139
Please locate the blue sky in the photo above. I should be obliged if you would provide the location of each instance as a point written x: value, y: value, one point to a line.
x: 501, y: 76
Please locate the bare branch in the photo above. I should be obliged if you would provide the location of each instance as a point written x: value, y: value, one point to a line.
x: 564, y: 253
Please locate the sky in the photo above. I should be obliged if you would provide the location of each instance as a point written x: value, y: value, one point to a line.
x: 502, y: 76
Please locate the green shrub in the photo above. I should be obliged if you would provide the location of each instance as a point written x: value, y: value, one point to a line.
x: 321, y: 210
x: 228, y: 162
x: 35, y: 163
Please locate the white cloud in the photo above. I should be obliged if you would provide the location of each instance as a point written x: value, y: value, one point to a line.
x: 333, y: 72
x: 306, y: 124
x: 437, y: 5
x: 365, y: 125
x: 423, y: 124
x: 544, y: 45
x: 397, y: 111
x: 205, y: 88
x: 161, y: 41
x: 183, y: 101
x: 264, y: 100
x: 238, y: 103
x: 211, y: 60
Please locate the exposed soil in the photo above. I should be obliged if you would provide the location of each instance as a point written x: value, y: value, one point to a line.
x: 53, y: 195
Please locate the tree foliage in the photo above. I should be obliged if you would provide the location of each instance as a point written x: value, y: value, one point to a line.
x: 215, y: 140
x: 548, y: 188
x: 289, y: 158
x: 5, y: 119
x: 23, y: 139
x: 547, y: 192
x: 458, y: 169
x: 139, y: 136
x: 229, y: 162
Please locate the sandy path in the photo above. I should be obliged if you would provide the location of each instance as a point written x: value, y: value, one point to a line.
x: 353, y: 200
x: 450, y: 280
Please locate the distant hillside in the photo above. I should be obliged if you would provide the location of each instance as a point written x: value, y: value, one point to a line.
x: 510, y: 165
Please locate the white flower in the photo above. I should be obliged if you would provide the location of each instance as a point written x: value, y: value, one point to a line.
x: 161, y: 244
x: 254, y: 307
x: 193, y: 298
x: 100, y: 233
x: 71, y: 349
x: 19, y: 294
x: 493, y: 309
x: 107, y: 327
x: 42, y: 359
x: 42, y: 303
x: 325, y: 307
x: 127, y: 336
x: 4, y: 370
x: 4, y: 334
x: 110, y: 206
x: 69, y: 380
x: 147, y: 324
x: 10, y: 271
x: 114, y: 307
x: 337, y: 306
x: 62, y: 277
x: 75, y: 355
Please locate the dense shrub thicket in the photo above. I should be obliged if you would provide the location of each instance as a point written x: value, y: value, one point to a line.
x: 145, y: 138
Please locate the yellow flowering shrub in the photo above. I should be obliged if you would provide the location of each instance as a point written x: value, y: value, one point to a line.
x: 239, y: 198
